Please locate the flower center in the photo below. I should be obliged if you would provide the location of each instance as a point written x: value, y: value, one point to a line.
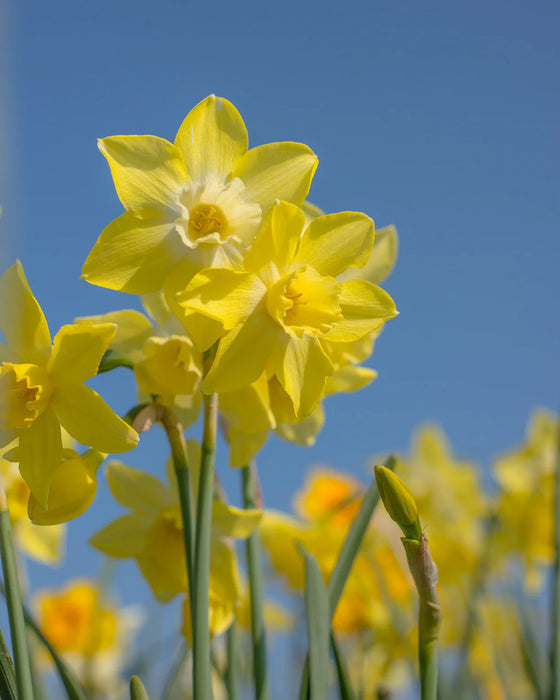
x: 25, y: 391
x: 305, y: 302
x: 206, y: 219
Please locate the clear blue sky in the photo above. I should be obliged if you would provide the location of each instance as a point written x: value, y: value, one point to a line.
x: 439, y: 117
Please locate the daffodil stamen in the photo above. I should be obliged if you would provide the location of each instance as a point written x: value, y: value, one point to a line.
x: 206, y: 219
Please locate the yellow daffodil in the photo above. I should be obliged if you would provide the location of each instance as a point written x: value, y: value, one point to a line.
x: 44, y: 544
x: 166, y: 364
x: 41, y: 387
x: 92, y: 635
x: 200, y: 199
x: 274, y: 316
x: 152, y: 533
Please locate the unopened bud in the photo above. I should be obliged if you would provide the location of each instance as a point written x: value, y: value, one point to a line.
x: 398, y: 501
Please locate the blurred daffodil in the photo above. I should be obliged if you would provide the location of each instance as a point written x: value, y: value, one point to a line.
x: 41, y: 387
x: 200, y: 199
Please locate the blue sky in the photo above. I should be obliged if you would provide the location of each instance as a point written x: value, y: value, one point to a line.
x: 441, y: 118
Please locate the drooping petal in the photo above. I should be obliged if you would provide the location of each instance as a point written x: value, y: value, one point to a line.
x: 381, y: 260
x: 277, y: 240
x: 21, y: 319
x: 40, y: 453
x: 349, y: 378
x: 243, y: 353
x: 249, y: 408
x: 243, y: 447
x: 7, y: 354
x: 133, y: 328
x: 224, y: 579
x: 72, y: 490
x: 303, y: 432
x: 365, y: 307
x: 6, y: 436
x: 134, y: 255
x: 211, y: 138
x: 302, y: 368
x: 225, y: 296
x: 136, y: 489
x: 333, y: 242
x: 228, y: 521
x: 148, y: 171
x: 123, y: 538
x: 277, y: 171
x: 91, y: 421
x: 77, y: 351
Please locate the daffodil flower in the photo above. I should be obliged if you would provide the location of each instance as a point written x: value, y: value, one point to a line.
x: 274, y: 316
x: 152, y: 532
x: 41, y: 386
x: 200, y: 199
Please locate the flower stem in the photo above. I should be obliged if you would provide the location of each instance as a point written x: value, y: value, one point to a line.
x: 231, y: 670
x: 255, y: 592
x: 202, y: 679
x: 174, y: 432
x: 13, y: 599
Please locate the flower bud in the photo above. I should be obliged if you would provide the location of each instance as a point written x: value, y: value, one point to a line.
x: 398, y: 501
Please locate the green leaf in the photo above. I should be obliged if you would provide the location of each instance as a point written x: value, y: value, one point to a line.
x: 137, y: 690
x: 341, y: 672
x: 7, y: 675
x: 318, y: 628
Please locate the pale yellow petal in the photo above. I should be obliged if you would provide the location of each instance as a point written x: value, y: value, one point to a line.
x: 277, y: 171
x: 381, y: 260
x: 44, y: 544
x: 248, y: 409
x: 365, y: 307
x: 87, y: 417
x: 311, y: 212
x: 136, y: 489
x: 123, y: 538
x: 21, y: 319
x: 243, y: 353
x: 303, y: 432
x: 302, y: 369
x: 40, y: 452
x: 228, y: 521
x: 349, y: 378
x: 133, y: 328
x: 244, y: 447
x: 77, y: 351
x: 333, y: 242
x: 211, y: 138
x: 148, y: 171
x: 224, y: 578
x: 134, y: 254
x: 162, y: 557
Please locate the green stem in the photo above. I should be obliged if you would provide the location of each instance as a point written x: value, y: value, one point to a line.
x: 174, y: 432
x: 255, y: 593
x: 555, y: 648
x: 341, y: 671
x: 7, y: 676
x: 202, y: 678
x: 428, y: 629
x: 231, y: 670
x: 13, y: 599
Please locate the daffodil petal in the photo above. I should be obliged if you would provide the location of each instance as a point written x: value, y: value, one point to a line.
x: 136, y: 489
x: 333, y: 242
x: 228, y: 521
x: 224, y: 579
x: 302, y: 370
x: 40, y: 452
x: 133, y: 328
x: 277, y: 171
x: 123, y: 538
x: 77, y: 351
x: 278, y: 238
x: 365, y: 307
x: 225, y: 296
x: 91, y: 421
x: 211, y: 138
x: 243, y: 353
x: 6, y: 436
x: 249, y: 408
x: 243, y: 447
x: 349, y: 378
x: 21, y: 319
x: 134, y: 255
x: 304, y: 432
x: 381, y: 260
x: 148, y: 171
x: 44, y: 544
x: 7, y: 354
